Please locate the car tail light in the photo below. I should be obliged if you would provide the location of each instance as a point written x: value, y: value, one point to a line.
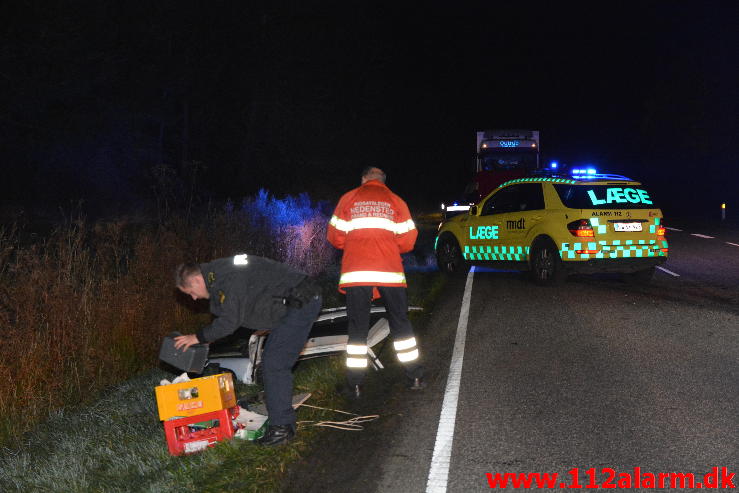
x: 581, y: 228
x: 588, y: 252
x: 661, y: 230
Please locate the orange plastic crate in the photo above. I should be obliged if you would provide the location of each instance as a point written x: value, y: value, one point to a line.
x: 184, y: 438
x: 195, y: 397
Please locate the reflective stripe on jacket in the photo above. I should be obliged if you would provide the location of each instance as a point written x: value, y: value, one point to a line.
x: 373, y: 226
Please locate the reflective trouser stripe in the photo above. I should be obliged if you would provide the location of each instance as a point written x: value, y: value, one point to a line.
x: 407, y: 356
x: 404, y: 344
x: 356, y: 349
x: 372, y: 276
x: 356, y: 356
x: 352, y: 362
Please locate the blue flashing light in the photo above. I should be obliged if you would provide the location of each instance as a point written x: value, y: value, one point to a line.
x: 553, y: 164
x: 576, y: 171
x: 456, y: 203
x: 591, y: 171
x: 508, y: 143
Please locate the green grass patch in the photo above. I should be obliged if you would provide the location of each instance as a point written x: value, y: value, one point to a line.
x: 117, y: 443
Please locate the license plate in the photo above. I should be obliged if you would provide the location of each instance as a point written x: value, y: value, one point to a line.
x: 627, y: 226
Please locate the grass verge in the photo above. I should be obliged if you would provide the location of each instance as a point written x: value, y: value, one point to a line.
x: 117, y: 444
x: 85, y: 306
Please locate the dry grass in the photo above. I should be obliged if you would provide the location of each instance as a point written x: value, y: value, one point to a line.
x: 116, y: 444
x: 87, y: 306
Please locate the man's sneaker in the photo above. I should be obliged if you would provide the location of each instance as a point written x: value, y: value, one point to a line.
x: 276, y: 435
x: 416, y: 384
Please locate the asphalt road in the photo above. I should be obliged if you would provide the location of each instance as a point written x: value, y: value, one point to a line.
x: 597, y: 373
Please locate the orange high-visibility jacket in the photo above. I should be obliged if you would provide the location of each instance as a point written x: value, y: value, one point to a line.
x: 373, y: 226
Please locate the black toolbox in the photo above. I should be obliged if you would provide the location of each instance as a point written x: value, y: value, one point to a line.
x: 193, y: 360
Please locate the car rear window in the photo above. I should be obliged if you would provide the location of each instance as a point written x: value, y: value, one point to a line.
x: 612, y: 196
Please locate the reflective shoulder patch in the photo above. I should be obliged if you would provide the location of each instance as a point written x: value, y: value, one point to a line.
x: 240, y: 259
x: 221, y: 297
x: 211, y: 278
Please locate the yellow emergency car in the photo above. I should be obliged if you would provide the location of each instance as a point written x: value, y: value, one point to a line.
x: 554, y: 225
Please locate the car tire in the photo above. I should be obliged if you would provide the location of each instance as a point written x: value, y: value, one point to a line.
x: 641, y: 276
x: 546, y: 265
x: 449, y: 257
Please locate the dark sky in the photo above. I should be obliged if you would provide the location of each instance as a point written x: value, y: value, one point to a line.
x: 119, y: 102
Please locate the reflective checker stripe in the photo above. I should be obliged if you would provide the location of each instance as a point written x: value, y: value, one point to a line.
x: 603, y: 229
x: 653, y: 227
x: 613, y: 249
x: 597, y: 226
x: 539, y: 180
x: 502, y: 252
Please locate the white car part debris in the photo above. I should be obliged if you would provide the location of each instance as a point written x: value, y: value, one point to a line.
x: 249, y: 419
x: 244, y: 368
x: 179, y: 379
x: 241, y: 367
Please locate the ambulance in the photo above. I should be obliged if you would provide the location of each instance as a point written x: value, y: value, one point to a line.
x: 555, y: 224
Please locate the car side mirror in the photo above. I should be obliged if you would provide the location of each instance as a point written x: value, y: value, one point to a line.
x: 473, y: 210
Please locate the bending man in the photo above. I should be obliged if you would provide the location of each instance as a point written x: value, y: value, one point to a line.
x: 258, y: 293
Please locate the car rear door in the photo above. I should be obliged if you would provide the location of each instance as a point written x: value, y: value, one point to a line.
x: 528, y: 211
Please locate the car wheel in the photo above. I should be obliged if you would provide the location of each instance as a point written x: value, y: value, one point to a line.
x: 640, y: 277
x: 449, y: 257
x: 546, y: 264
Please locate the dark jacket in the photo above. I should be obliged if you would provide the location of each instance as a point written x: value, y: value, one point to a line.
x: 246, y: 291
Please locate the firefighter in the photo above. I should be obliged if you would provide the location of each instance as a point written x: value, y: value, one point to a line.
x: 373, y: 226
x: 258, y: 293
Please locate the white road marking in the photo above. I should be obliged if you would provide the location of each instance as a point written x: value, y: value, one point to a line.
x: 673, y: 229
x: 730, y: 243
x: 439, y: 472
x: 702, y: 236
x: 668, y: 271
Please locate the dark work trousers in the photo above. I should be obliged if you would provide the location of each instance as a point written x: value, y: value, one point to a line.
x: 358, y: 304
x: 281, y: 351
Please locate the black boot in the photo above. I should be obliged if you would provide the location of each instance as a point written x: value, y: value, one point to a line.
x: 416, y: 383
x: 277, y: 434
